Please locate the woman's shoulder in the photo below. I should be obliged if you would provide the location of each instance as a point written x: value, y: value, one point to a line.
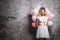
x: 46, y: 17
x: 38, y: 16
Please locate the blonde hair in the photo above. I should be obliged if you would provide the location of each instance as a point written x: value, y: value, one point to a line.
x: 40, y: 14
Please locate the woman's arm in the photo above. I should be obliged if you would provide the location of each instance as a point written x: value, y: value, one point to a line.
x: 36, y: 22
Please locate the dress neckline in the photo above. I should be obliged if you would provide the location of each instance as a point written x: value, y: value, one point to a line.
x: 41, y: 16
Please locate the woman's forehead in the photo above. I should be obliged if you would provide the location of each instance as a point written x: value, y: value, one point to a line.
x: 42, y: 10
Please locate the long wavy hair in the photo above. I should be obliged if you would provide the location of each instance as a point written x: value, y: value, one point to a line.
x: 40, y: 14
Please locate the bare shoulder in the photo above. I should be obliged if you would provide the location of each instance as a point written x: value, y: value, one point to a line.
x: 37, y: 16
x: 47, y: 17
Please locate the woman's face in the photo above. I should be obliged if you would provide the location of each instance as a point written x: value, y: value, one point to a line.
x: 42, y: 11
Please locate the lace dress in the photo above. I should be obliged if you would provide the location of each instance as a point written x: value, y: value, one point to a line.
x: 42, y: 30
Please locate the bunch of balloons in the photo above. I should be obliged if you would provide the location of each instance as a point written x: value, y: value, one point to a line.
x: 34, y: 21
x: 35, y: 11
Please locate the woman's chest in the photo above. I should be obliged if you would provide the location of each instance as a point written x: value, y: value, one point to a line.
x: 43, y: 19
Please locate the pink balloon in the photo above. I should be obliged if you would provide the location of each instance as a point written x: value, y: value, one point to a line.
x: 51, y: 16
x: 33, y: 18
x: 33, y: 24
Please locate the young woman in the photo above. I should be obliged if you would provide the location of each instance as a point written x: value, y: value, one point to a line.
x: 42, y: 25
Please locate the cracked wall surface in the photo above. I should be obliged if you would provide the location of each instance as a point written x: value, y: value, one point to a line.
x: 15, y: 19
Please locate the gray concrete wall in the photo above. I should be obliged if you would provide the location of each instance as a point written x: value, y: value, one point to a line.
x: 15, y: 21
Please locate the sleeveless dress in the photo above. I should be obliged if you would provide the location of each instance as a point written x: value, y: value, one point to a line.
x: 42, y: 30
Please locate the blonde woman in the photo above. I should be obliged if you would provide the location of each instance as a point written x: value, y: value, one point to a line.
x: 42, y: 25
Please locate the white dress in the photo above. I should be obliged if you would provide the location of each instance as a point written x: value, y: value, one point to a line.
x: 42, y: 30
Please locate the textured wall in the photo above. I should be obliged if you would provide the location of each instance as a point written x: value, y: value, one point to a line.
x: 15, y: 21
